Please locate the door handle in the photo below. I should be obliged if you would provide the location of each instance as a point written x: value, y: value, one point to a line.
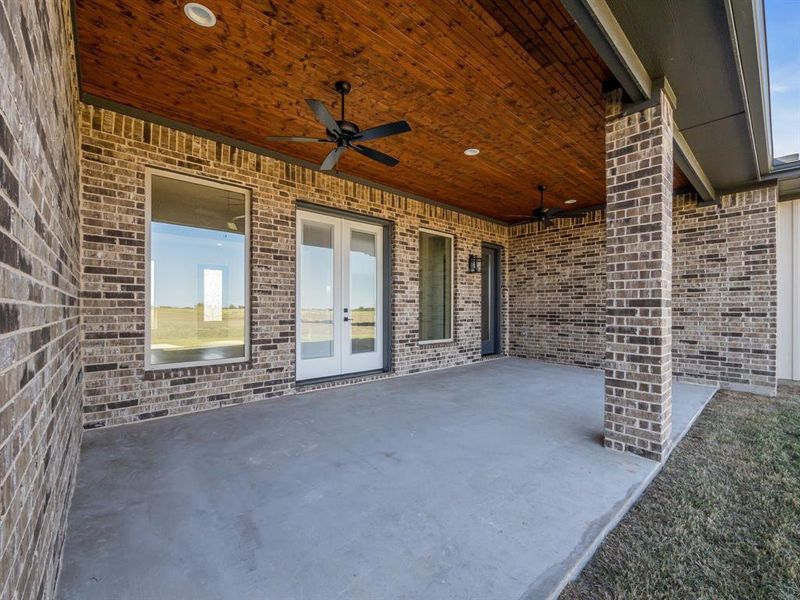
x: 347, y: 318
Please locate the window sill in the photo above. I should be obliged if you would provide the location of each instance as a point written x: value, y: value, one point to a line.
x: 306, y: 385
x: 435, y: 342
x: 195, y: 365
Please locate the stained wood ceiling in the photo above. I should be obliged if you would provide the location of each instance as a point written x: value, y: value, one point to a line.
x: 514, y: 78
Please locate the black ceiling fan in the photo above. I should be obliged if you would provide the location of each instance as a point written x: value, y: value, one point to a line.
x: 346, y: 134
x: 546, y: 216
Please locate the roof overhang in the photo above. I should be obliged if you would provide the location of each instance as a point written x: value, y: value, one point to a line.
x: 602, y: 28
x: 748, y: 38
x: 714, y: 56
x: 748, y: 33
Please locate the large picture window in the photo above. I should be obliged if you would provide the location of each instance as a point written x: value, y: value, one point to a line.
x: 435, y: 287
x: 197, y: 258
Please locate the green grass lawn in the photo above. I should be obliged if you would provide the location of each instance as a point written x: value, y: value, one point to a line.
x: 721, y: 520
x: 184, y: 327
x: 316, y: 324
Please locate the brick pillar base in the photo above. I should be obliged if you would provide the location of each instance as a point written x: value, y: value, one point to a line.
x: 638, y: 374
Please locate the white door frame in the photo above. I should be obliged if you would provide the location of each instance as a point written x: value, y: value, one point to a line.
x: 319, y: 367
x: 364, y: 361
x: 342, y: 361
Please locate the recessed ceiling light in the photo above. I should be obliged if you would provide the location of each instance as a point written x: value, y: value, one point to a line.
x: 472, y: 152
x: 570, y: 201
x: 200, y: 15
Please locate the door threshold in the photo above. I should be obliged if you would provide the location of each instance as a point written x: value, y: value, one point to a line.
x: 301, y: 383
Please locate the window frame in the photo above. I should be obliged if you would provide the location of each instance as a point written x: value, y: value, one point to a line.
x: 451, y: 337
x: 149, y: 173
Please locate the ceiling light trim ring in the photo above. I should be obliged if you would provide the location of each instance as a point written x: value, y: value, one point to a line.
x: 199, y: 14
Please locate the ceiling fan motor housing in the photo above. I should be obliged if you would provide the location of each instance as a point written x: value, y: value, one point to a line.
x: 346, y: 134
x: 342, y: 87
x: 349, y: 129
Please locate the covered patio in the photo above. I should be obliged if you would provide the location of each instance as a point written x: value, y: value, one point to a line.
x: 487, y: 481
x: 458, y: 275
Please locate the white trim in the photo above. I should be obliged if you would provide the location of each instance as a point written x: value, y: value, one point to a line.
x: 451, y: 337
x: 788, y: 275
x: 326, y: 366
x: 342, y: 361
x: 148, y: 174
x: 364, y: 361
x: 795, y: 289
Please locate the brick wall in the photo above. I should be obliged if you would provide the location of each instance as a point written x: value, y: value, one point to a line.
x: 724, y: 291
x: 555, y: 280
x: 39, y: 278
x: 638, y: 367
x: 115, y: 151
x: 557, y: 291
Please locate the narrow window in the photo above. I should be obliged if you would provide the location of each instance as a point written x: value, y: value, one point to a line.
x: 198, y: 301
x: 435, y: 286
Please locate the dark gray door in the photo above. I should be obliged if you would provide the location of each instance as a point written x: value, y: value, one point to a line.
x: 490, y: 300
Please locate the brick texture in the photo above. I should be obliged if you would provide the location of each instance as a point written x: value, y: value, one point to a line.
x: 725, y: 291
x: 557, y: 291
x: 555, y: 279
x: 638, y: 366
x: 114, y: 153
x: 39, y: 278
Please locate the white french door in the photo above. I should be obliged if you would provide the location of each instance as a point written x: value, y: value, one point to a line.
x: 339, y: 296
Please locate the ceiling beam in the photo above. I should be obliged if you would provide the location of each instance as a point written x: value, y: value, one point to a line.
x: 688, y: 163
x: 604, y: 32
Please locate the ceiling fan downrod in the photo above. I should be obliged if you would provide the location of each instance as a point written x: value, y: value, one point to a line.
x: 343, y: 88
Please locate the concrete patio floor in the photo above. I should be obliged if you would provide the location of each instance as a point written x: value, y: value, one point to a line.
x: 478, y: 482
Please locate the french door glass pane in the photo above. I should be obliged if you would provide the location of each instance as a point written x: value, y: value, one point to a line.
x: 316, y: 291
x: 363, y: 291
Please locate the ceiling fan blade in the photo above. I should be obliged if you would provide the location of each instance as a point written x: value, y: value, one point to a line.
x: 387, y: 129
x: 376, y: 155
x: 332, y: 158
x: 289, y: 138
x: 324, y: 115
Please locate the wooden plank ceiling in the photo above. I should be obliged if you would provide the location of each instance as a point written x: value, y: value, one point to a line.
x: 514, y: 78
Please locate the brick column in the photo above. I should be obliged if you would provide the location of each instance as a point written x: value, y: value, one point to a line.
x: 638, y: 374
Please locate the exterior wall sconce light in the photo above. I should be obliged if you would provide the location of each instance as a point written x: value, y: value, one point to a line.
x: 474, y: 264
